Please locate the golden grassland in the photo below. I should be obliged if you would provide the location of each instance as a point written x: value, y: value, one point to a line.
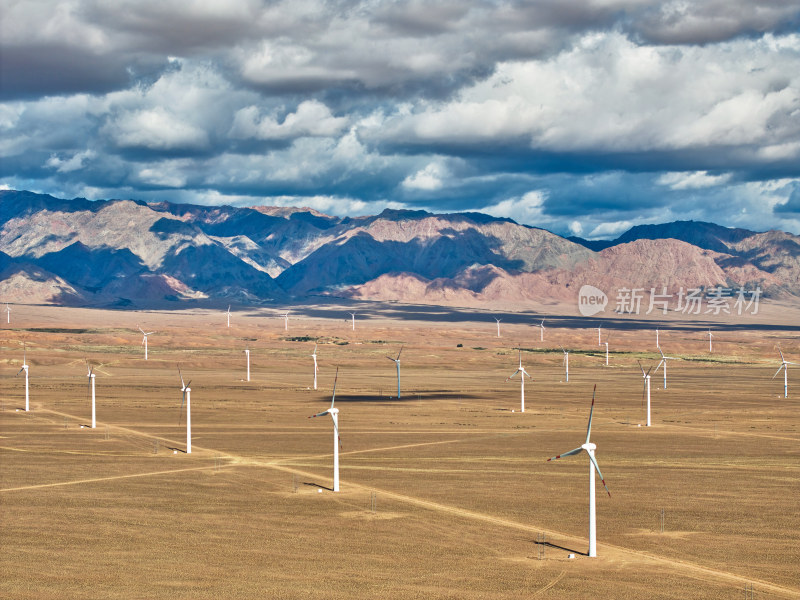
x: 445, y: 493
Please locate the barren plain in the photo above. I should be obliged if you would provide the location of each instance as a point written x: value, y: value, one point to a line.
x: 445, y: 492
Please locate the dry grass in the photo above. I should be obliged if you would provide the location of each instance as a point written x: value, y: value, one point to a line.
x: 461, y: 483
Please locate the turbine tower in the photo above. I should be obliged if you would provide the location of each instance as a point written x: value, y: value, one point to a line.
x: 522, y: 375
x: 25, y: 368
x: 646, y: 389
x: 353, y: 318
x: 599, y: 343
x: 8, y: 313
x: 187, y: 398
x: 606, y: 343
x: 144, y: 340
x: 314, y: 356
x: 286, y: 320
x: 541, y: 331
x: 664, y: 360
x: 90, y: 375
x: 710, y: 335
x: 337, y: 440
x: 566, y: 363
x: 589, y: 447
x: 247, y: 353
x: 498, y: 326
x: 228, y: 313
x: 657, y: 344
x: 784, y: 365
x: 397, y: 362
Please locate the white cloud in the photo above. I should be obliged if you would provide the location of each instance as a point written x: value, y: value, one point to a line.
x: 692, y: 180
x: 156, y: 129
x: 75, y: 163
x: 610, y: 230
x: 525, y: 209
x: 312, y: 118
x: 427, y: 179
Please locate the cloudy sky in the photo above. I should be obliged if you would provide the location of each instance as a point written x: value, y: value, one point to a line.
x: 583, y: 116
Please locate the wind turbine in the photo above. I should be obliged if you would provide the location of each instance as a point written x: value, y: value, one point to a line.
x: 144, y: 339
x: 90, y: 375
x: 566, y: 363
x: 8, y: 315
x: 314, y: 356
x: 498, y: 326
x: 337, y: 440
x: 657, y: 344
x: 286, y: 320
x: 710, y: 335
x: 599, y: 343
x: 589, y: 447
x: 397, y: 362
x: 187, y: 398
x: 784, y: 365
x: 606, y: 343
x: 646, y: 389
x: 522, y: 374
x: 247, y: 353
x: 541, y: 331
x: 229, y: 317
x: 25, y: 368
x: 664, y: 360
x: 353, y: 317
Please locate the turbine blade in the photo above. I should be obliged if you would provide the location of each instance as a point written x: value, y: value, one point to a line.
x: 322, y: 414
x: 180, y: 414
x: 591, y: 412
x: 333, y: 398
x: 399, y: 353
x: 596, y: 468
x: 642, y: 368
x: 512, y: 376
x: 778, y: 371
x: 336, y: 429
x: 781, y: 353
x: 570, y: 453
x: 181, y: 376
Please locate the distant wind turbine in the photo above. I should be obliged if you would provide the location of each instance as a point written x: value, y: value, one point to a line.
x: 8, y: 313
x: 353, y: 318
x: 606, y: 343
x: 589, y: 448
x: 90, y: 375
x: 522, y: 375
x: 710, y: 335
x: 25, y: 368
x: 784, y: 365
x: 314, y: 356
x: 657, y: 344
x: 337, y: 440
x: 397, y: 362
x: 498, y: 326
x: 187, y: 398
x: 285, y: 320
x: 664, y: 360
x: 646, y: 389
x: 247, y: 353
x: 599, y: 343
x: 541, y: 331
x: 566, y: 364
x: 144, y: 340
x: 228, y: 313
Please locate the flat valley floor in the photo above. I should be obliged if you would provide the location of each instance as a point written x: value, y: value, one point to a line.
x: 445, y: 492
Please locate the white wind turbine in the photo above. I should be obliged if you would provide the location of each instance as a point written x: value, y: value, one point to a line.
x: 337, y: 440
x: 144, y: 339
x: 90, y: 375
x: 286, y: 320
x: 646, y: 389
x: 314, y: 356
x: 784, y: 365
x: 522, y: 375
x: 541, y: 331
x: 247, y: 353
x: 498, y: 326
x: 228, y: 313
x: 710, y: 335
x: 8, y: 313
x: 664, y: 360
x: 599, y: 343
x: 606, y: 343
x: 589, y: 447
x: 25, y: 368
x: 657, y: 344
x: 353, y: 318
x: 566, y: 364
x: 397, y: 362
x: 187, y: 398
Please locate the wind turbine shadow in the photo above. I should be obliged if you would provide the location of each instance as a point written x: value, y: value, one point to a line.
x: 316, y: 485
x: 175, y: 449
x: 557, y: 547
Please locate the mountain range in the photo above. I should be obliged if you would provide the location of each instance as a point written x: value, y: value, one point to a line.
x: 131, y: 253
